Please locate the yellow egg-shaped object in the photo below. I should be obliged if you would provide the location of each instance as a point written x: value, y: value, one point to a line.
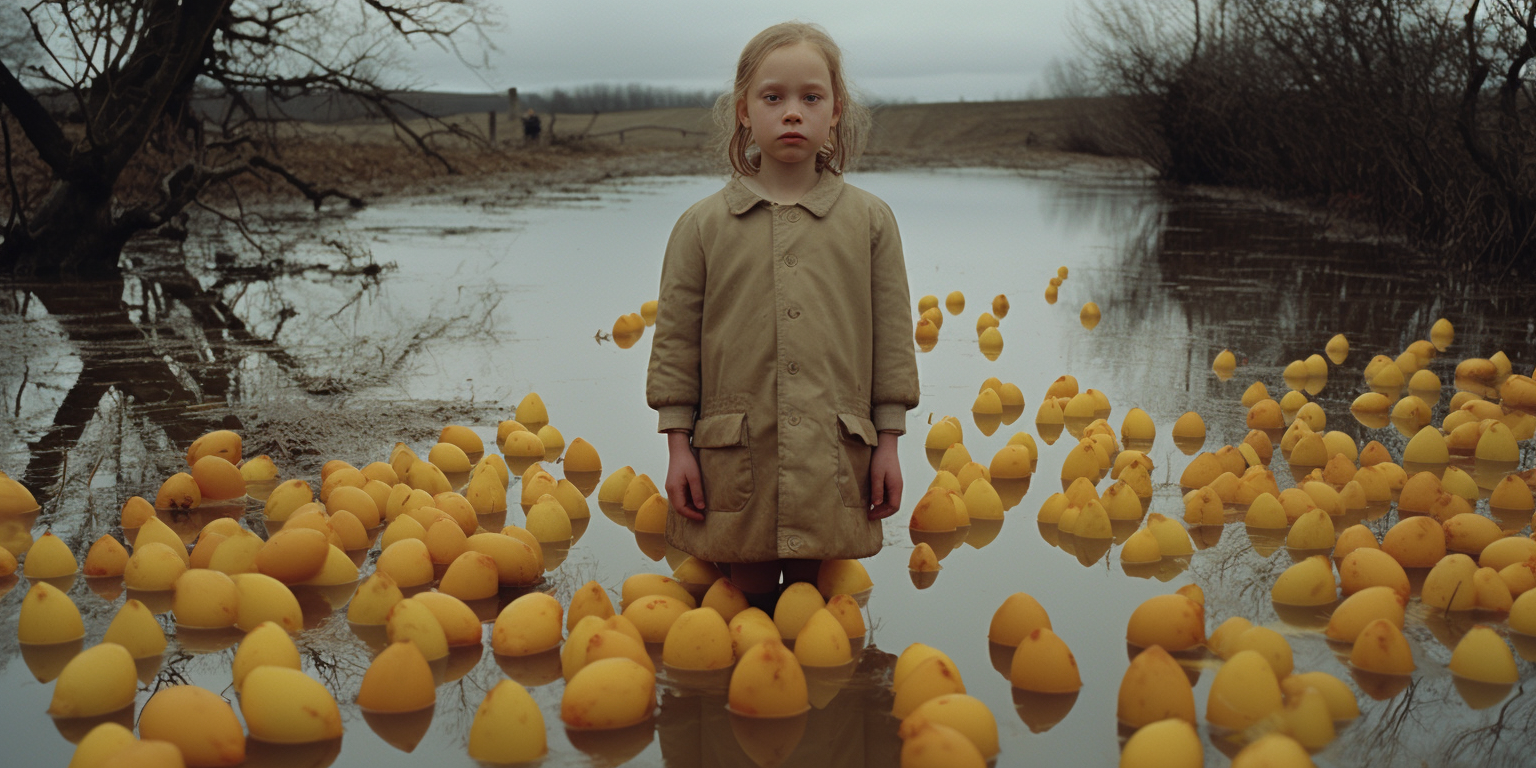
x: 842, y: 577
x: 49, y: 558
x: 221, y: 443
x: 610, y: 643
x: 1171, y: 743
x: 1498, y: 444
x: 293, y: 555
x: 822, y: 642
x: 934, y: 512
x: 146, y: 753
x: 154, y: 531
x: 1370, y: 567
x: 471, y: 576
x: 1018, y: 616
x: 282, y: 705
x: 408, y: 562
x: 1172, y: 621
x: 461, y: 627
x: 462, y: 438
x: 1155, y: 688
x: 910, y: 658
x: 926, y: 333
x: 955, y: 457
x: 1449, y: 584
x: 373, y: 600
x: 1269, y: 644
x: 414, y: 621
x: 528, y: 625
x: 991, y: 343
x: 135, y: 628
x: 404, y: 527
x: 1335, y: 692
x: 589, y: 600
x: 796, y: 605
x: 1266, y: 512
x: 923, y: 559
x: 966, y: 714
x: 1482, y: 656
x: 205, y: 599
x: 1225, y: 362
x: 694, y: 572
x: 426, y: 476
x: 573, y: 654
x: 1043, y: 664
x: 647, y: 584
x: 1090, y: 315
x: 930, y: 678
x: 445, y: 541
x: 934, y: 745
x: 263, y: 598
x: 1506, y: 552
x: 398, y: 680
x: 1364, y: 607
x: 1309, y: 582
x: 217, y: 478
x: 650, y: 518
x: 750, y: 627
x: 48, y: 616
x: 1381, y: 648
x: 179, y: 491
x: 942, y: 435
x: 1000, y: 306
x: 1307, y: 718
x: 1512, y: 494
x: 266, y: 645
x: 1470, y: 532
x: 699, y: 640
x: 1427, y: 447
x: 639, y: 489
x: 849, y: 615
x: 135, y: 511
x: 607, y: 694
x: 1221, y: 639
x: 1141, y: 547
x: 580, y: 456
x: 1522, y: 614
x: 531, y: 411
x: 1013, y: 461
x: 199, y: 722
x: 102, y: 743
x: 288, y: 496
x: 552, y: 439
x: 509, y: 725
x: 724, y: 597
x: 1313, y: 530
x: 654, y: 615
x: 1415, y: 542
x: 1172, y: 539
x: 1244, y: 692
x: 926, y: 303
x: 955, y: 302
x: 1189, y: 426
x: 98, y: 680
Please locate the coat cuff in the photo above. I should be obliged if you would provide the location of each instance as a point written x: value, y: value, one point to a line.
x: 675, y: 417
x: 891, y: 417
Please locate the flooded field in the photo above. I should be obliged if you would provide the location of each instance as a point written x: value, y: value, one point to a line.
x: 388, y: 323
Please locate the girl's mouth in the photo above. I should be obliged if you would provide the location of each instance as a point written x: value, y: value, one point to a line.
x: 791, y: 136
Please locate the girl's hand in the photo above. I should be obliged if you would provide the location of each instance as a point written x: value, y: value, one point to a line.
x: 884, y: 478
x: 685, y: 489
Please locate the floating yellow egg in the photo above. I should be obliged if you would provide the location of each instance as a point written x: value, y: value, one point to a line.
x: 528, y: 625
x: 293, y: 555
x: 1043, y: 664
x: 98, y: 680
x: 398, y: 680
x: 608, y: 693
x: 205, y: 599
x: 842, y: 577
x: 930, y: 678
x: 48, y: 616
x: 991, y: 343
x: 1089, y: 315
x: 263, y: 598
x: 1364, y: 607
x: 508, y: 725
x: 923, y: 559
x: 1225, y: 362
x: 1482, y: 656
x: 1244, y: 692
x: 955, y: 302
x: 102, y: 743
x: 933, y: 745
x: 699, y: 640
x: 1171, y: 743
x: 217, y: 478
x: 1172, y: 621
x: 1189, y: 426
x: 822, y: 641
x: 282, y: 705
x: 1155, y: 688
x: 471, y: 576
x: 461, y: 627
x: 1309, y: 582
x: 1381, y: 648
x: 198, y: 721
x: 49, y: 558
x: 266, y: 645
x: 966, y: 714
x: 1415, y: 542
x: 135, y: 628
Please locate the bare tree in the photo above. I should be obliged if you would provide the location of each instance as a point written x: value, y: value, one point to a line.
x: 113, y: 108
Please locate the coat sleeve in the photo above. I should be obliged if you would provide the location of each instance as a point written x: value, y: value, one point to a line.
x: 672, y: 380
x: 894, y: 387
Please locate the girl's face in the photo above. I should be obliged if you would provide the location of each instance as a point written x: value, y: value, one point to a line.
x: 789, y: 105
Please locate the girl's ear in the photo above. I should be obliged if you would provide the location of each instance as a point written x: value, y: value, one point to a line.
x: 837, y: 112
x: 741, y: 113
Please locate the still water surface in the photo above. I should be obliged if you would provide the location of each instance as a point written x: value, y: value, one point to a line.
x: 486, y: 302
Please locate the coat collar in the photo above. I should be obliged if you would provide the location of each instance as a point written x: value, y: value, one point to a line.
x: 818, y: 201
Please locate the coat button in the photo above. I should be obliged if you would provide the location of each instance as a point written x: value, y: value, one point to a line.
x: 793, y: 216
x: 793, y: 368
x: 791, y: 260
x: 794, y: 421
x: 793, y: 313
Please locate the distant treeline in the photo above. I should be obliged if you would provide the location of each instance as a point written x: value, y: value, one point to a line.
x: 611, y: 97
x: 1405, y: 112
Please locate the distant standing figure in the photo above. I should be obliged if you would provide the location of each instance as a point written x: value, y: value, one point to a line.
x: 531, y: 126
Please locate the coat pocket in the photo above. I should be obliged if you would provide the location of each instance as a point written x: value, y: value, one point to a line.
x: 857, y: 445
x: 725, y: 461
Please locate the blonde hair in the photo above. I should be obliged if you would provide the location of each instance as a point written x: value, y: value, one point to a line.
x: 848, y: 136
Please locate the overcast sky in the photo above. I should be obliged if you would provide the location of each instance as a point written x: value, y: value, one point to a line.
x: 924, y: 50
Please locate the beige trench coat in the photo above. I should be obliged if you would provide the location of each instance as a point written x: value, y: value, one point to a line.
x: 783, y: 341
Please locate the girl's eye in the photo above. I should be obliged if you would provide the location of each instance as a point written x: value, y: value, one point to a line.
x: 772, y: 97
x: 812, y: 98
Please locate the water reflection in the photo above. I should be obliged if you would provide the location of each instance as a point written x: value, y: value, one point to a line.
x: 326, y: 357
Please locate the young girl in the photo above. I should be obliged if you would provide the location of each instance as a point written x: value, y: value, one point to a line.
x: 782, y: 365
